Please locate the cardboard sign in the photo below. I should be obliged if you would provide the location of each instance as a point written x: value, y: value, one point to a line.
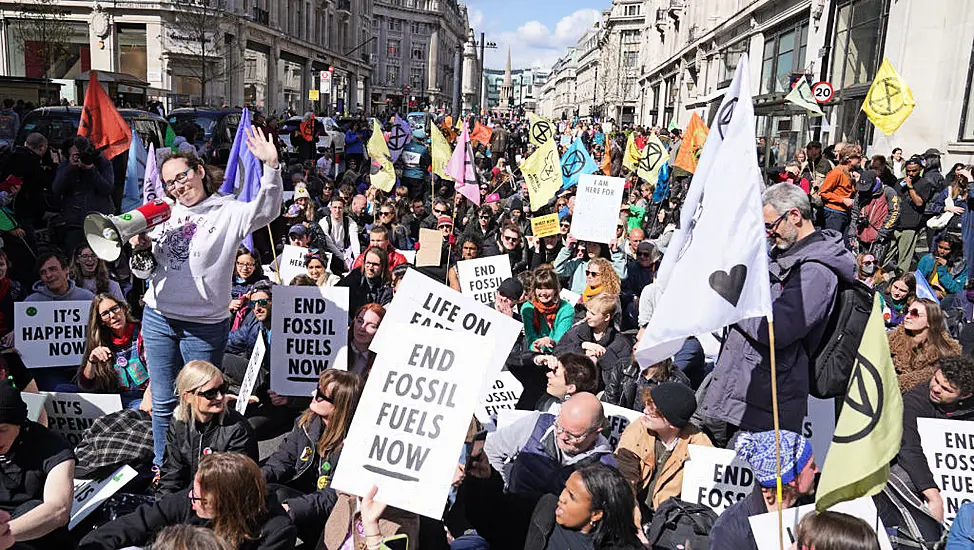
x: 292, y: 263
x: 619, y: 419
x: 819, y: 426
x: 501, y: 395
x: 765, y: 526
x: 545, y: 226
x: 949, y: 448
x: 430, y: 247
x: 250, y: 377
x: 597, y: 208
x: 70, y: 414
x: 413, y: 417
x: 715, y: 478
x: 35, y: 404
x: 89, y: 495
x: 423, y: 301
x: 51, y: 334
x: 480, y: 278
x: 310, y: 334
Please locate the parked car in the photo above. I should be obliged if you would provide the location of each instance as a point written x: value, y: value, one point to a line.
x: 59, y: 123
x: 330, y: 138
x: 215, y: 130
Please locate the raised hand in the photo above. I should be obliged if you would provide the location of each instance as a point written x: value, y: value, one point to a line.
x: 261, y: 146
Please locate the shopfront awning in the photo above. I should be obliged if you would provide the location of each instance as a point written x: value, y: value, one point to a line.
x: 707, y: 99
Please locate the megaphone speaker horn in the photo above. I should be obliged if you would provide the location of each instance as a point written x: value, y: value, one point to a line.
x: 107, y: 234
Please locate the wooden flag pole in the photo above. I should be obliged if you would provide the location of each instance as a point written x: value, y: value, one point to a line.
x: 777, y: 435
x: 270, y: 237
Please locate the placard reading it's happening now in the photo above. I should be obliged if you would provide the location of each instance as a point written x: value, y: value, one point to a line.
x: 309, y: 328
x: 413, y: 417
x: 51, y: 334
x: 70, y: 414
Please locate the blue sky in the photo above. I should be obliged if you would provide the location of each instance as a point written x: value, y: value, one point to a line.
x: 538, y: 31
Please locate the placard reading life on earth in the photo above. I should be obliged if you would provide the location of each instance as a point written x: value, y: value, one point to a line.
x: 480, y: 278
x: 949, y: 448
x: 597, y: 208
x: 51, y: 334
x: 413, y: 417
x: 309, y: 328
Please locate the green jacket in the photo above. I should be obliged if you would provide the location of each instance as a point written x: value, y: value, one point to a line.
x: 563, y: 322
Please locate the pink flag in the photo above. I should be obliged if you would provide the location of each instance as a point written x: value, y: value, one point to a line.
x: 152, y: 184
x: 461, y: 168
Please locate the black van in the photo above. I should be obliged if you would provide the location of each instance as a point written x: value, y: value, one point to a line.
x: 215, y: 130
x: 60, y: 123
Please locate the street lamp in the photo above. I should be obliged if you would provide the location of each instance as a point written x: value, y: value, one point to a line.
x: 483, y: 66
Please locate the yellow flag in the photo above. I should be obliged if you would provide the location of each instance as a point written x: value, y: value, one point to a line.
x: 440, y: 153
x: 542, y: 172
x: 383, y: 175
x: 869, y: 428
x: 632, y: 155
x: 541, y: 130
x: 889, y: 100
x: 651, y: 160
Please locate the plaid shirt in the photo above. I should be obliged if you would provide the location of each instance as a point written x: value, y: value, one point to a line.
x: 123, y: 437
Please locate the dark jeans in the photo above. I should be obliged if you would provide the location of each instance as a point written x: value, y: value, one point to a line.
x: 836, y: 220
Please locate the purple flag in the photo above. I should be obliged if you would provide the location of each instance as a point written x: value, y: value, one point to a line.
x: 461, y: 168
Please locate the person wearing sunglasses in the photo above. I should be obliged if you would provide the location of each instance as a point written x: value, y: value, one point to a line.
x: 301, y: 469
x: 574, y: 261
x: 188, y: 262
x: 202, y: 424
x: 114, y: 358
x: 486, y: 226
x: 869, y: 272
x: 919, y: 343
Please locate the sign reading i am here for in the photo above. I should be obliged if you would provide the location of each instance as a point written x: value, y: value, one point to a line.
x: 292, y: 263
x: 545, y: 226
x: 765, y: 526
x: 250, y: 376
x: 949, y: 448
x: 425, y: 302
x: 310, y: 334
x: 90, y: 494
x: 501, y: 395
x: 413, y: 417
x: 597, y: 208
x: 70, y: 414
x: 617, y: 417
x: 51, y: 334
x: 480, y: 278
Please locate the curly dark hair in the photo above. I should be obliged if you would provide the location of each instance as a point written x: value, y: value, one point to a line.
x: 959, y: 371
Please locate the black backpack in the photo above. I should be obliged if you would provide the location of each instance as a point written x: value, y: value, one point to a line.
x: 830, y: 366
x: 678, y: 522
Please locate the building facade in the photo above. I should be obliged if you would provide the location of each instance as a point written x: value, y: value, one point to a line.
x: 559, y: 93
x: 525, y: 85
x: 620, y: 42
x: 416, y: 52
x: 268, y: 54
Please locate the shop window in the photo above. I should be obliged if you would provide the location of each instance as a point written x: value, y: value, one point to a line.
x: 132, y: 57
x: 967, y: 116
x: 784, y: 53
x: 859, y: 28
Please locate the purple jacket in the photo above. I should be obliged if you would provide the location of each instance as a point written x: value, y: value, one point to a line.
x: 803, y: 293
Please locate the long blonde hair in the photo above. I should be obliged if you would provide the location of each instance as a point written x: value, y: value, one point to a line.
x: 191, y: 378
x: 236, y: 490
x: 104, y: 380
x: 345, y: 394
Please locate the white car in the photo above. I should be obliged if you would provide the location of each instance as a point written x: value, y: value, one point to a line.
x: 333, y: 136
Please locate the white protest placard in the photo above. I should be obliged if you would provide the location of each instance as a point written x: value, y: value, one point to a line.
x: 410, y: 255
x: 949, y: 448
x: 425, y: 302
x: 501, y: 395
x: 250, y: 376
x: 35, y: 404
x: 765, y: 526
x: 569, y: 296
x: 413, y: 417
x: 70, y: 414
x: 292, y: 263
x: 51, y: 334
x: 271, y: 274
x: 715, y: 478
x: 480, y: 278
x: 89, y: 495
x: 310, y: 328
x: 619, y: 419
x: 597, y: 208
x: 819, y: 426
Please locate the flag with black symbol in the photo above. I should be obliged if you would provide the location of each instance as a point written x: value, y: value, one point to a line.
x: 575, y: 162
x: 461, y: 168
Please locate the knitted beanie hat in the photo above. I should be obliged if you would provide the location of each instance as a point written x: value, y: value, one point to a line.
x: 758, y: 450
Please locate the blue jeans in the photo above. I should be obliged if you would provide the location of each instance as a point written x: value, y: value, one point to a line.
x: 169, y: 345
x: 836, y: 220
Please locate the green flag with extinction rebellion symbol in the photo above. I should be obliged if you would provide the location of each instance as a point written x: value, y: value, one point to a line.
x: 870, y: 425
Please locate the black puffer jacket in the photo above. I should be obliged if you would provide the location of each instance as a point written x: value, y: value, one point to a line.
x: 618, y: 355
x: 543, y: 523
x: 188, y: 442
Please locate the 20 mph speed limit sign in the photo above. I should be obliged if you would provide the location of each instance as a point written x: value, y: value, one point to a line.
x: 822, y: 92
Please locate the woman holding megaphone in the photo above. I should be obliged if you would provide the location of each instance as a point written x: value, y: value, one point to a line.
x: 188, y: 261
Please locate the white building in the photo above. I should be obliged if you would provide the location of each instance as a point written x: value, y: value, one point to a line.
x: 621, y: 44
x: 587, y: 73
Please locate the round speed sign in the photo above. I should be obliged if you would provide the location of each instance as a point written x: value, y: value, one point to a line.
x: 822, y: 92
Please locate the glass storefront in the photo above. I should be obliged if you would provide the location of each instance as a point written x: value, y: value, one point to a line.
x: 132, y: 56
x: 26, y: 51
x: 255, y: 78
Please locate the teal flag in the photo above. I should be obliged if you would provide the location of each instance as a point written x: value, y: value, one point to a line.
x: 575, y: 162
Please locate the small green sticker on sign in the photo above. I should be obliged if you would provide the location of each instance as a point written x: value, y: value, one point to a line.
x: 31, y: 311
x: 127, y: 217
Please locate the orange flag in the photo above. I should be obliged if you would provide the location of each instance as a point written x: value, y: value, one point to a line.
x: 101, y: 122
x: 693, y: 138
x: 607, y: 158
x: 481, y: 133
x: 307, y: 128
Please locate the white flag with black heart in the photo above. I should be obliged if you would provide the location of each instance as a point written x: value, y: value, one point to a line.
x: 715, y: 270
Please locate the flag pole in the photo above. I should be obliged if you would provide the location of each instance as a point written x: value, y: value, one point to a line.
x: 270, y: 236
x: 456, y: 201
x: 777, y: 435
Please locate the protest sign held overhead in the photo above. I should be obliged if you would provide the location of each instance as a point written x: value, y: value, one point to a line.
x: 413, y: 417
x: 51, y: 334
x: 715, y: 478
x: 652, y: 159
x: 480, y: 278
x: 948, y: 446
x: 70, y: 414
x: 310, y: 328
x: 541, y: 130
x: 544, y: 226
x: 597, y: 208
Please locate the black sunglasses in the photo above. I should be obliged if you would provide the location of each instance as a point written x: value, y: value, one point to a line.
x: 320, y: 396
x: 211, y: 393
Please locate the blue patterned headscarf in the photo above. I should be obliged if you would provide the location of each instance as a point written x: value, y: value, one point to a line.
x: 757, y: 449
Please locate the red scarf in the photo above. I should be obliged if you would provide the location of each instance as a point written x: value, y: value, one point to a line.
x: 547, y: 311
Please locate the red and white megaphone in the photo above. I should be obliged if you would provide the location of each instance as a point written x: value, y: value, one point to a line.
x: 107, y: 234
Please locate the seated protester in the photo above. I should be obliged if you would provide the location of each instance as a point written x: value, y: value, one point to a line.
x: 961, y: 535
x: 257, y: 323
x: 573, y: 261
x: 653, y: 450
x: 600, y: 278
x: 635, y: 380
x: 542, y: 251
x: 114, y: 358
x: 896, y: 301
x: 946, y: 395
x: 568, y: 374
x: 247, y: 270
x: 368, y: 283
x: 227, y: 494
x: 732, y: 531
x: 594, y: 510
x: 301, y: 469
x: 598, y: 340
x: 314, y: 262
x: 38, y: 470
x: 547, y: 317
x: 469, y: 249
x: 507, y: 240
x: 11, y: 291
x: 920, y: 343
x: 398, y: 273
x: 946, y: 271
x: 507, y: 298
x: 537, y: 453
x: 486, y: 227
x: 300, y: 235
x: 640, y: 272
x: 91, y: 273
x: 52, y: 268
x: 398, y: 234
x: 412, y: 220
x: 202, y: 424
x: 379, y: 239
x: 360, y: 334
x: 369, y: 524
x: 188, y: 537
